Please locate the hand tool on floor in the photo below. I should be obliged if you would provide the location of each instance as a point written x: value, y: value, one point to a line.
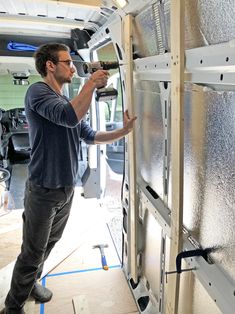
x: 103, y: 258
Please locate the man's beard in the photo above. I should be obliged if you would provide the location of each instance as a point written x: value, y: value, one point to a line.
x: 67, y: 80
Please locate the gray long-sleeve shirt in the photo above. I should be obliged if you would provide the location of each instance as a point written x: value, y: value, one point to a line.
x: 54, y: 134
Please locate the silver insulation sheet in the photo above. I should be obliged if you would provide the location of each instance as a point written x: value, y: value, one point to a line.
x: 151, y: 259
x: 149, y: 135
x: 209, y: 171
x: 207, y: 22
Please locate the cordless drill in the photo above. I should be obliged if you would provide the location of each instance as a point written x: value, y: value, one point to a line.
x: 103, y: 93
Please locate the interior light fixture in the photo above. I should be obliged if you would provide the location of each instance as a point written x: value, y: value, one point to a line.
x: 121, y: 3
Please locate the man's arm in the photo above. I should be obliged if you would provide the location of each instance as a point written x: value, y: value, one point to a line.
x: 103, y: 137
x: 82, y: 101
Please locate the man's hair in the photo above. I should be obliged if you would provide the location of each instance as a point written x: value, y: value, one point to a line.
x: 47, y: 52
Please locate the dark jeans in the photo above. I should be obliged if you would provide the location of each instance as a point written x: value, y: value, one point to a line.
x: 44, y: 219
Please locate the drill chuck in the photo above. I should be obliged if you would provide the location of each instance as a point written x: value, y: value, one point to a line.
x: 100, y: 65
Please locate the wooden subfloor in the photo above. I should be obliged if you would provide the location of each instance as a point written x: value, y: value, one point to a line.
x: 73, y: 271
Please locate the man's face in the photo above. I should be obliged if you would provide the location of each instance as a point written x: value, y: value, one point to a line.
x: 65, y: 69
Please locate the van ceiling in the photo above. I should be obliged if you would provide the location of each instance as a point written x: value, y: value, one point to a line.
x: 37, y: 21
x: 51, y: 17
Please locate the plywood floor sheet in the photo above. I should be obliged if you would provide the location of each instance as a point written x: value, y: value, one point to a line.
x: 74, y: 270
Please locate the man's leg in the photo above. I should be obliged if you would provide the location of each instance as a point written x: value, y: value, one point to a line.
x: 40, y: 293
x: 40, y: 210
x: 58, y: 225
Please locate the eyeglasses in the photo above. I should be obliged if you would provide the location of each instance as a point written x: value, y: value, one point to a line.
x: 69, y: 63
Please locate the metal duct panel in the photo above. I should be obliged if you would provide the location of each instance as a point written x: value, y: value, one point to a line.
x: 151, y: 259
x: 149, y: 135
x: 150, y: 37
x: 209, y: 171
x: 206, y: 23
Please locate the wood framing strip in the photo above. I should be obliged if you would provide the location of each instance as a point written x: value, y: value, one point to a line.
x: 133, y: 210
x: 80, y: 305
x: 177, y: 147
x: 88, y: 3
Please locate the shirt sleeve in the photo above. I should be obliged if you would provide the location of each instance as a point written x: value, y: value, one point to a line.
x: 87, y: 133
x: 53, y: 107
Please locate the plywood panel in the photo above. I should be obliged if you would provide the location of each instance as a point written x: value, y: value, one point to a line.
x: 105, y: 291
x: 10, y: 236
x: 80, y: 305
x: 5, y: 277
x: 85, y: 257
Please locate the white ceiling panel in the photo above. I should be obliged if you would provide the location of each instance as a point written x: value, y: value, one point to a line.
x: 57, y: 10
x: 22, y: 16
x: 15, y: 16
x: 49, y: 8
x: 43, y: 26
x: 45, y: 18
x: 17, y: 7
x: 3, y: 6
x: 36, y: 8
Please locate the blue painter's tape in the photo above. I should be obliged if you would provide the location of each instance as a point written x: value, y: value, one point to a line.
x: 42, y: 309
x: 80, y: 271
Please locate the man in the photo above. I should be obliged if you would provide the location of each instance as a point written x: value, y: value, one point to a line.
x: 55, y: 127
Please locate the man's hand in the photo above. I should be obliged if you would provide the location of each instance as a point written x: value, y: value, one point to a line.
x: 128, y: 122
x: 99, y: 78
x: 82, y: 101
x: 103, y: 137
